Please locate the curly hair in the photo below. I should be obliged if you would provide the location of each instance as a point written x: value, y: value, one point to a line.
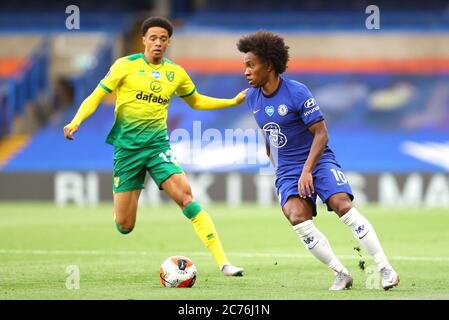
x: 157, y: 22
x: 268, y: 47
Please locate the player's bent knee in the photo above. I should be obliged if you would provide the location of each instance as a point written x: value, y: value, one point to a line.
x: 340, y: 203
x: 342, y: 207
x: 296, y: 217
x: 124, y: 228
x: 297, y: 220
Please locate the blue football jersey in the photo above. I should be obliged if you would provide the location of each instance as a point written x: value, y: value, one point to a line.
x: 285, y: 116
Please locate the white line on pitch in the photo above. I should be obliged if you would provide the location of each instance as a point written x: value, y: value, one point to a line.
x: 205, y: 253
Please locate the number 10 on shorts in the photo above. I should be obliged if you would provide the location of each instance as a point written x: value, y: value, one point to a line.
x: 339, y: 176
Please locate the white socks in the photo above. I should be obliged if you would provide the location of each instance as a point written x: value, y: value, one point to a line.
x: 364, y: 232
x: 318, y: 245
x: 361, y: 229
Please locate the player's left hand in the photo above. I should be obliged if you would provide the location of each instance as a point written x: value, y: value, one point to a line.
x: 241, y: 96
x: 305, y: 185
x: 69, y: 131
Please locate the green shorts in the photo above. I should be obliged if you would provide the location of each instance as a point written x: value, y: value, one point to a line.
x: 131, y: 165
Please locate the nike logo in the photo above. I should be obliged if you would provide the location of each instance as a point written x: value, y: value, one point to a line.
x: 360, y: 238
x: 341, y: 183
x: 254, y: 112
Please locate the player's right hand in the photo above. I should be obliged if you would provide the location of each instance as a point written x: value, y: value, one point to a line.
x: 69, y: 131
x: 305, y: 185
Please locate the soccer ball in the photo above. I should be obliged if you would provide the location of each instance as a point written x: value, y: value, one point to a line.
x: 178, y: 272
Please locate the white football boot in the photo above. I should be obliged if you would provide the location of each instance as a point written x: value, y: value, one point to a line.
x: 342, y: 281
x: 232, y: 271
x: 390, y: 278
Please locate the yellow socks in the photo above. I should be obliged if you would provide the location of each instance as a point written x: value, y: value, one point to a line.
x: 205, y: 229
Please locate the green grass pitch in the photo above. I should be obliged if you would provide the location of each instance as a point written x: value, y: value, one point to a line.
x: 39, y: 242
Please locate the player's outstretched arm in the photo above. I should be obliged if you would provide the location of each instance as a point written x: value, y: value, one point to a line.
x: 201, y: 102
x: 88, y: 107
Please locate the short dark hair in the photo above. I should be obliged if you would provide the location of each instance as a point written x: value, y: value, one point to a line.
x: 157, y: 22
x: 268, y: 47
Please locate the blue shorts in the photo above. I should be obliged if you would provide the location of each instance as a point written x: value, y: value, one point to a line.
x: 328, y: 179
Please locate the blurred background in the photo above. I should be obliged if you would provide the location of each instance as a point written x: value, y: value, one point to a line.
x: 383, y: 86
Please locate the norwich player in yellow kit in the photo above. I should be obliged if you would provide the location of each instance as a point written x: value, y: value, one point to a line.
x: 144, y: 84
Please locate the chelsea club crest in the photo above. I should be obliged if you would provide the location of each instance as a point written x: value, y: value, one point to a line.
x: 282, y: 110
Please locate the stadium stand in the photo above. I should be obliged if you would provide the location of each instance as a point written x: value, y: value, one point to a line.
x: 45, y: 68
x: 394, y: 96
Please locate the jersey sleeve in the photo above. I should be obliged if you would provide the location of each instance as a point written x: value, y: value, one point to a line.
x: 186, y: 86
x: 113, y: 77
x: 309, y: 110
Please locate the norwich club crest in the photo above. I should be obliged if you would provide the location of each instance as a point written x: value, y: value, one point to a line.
x: 170, y: 75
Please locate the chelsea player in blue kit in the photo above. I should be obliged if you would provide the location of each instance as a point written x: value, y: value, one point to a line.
x: 296, y: 140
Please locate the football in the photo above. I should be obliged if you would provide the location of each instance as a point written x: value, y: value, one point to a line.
x: 178, y: 272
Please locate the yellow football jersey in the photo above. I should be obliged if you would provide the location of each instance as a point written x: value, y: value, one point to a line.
x: 143, y: 92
